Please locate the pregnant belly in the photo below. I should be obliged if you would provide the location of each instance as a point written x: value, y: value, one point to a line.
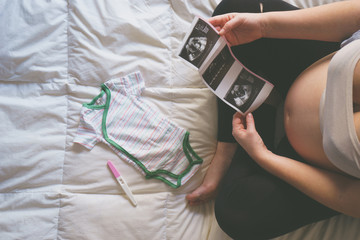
x: 301, y: 114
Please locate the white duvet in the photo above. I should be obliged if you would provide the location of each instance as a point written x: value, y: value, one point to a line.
x: 54, y: 55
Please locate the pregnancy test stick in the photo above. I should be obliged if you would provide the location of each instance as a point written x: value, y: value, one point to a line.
x: 122, y: 182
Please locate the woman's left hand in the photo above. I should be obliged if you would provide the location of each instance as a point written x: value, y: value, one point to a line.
x: 245, y: 133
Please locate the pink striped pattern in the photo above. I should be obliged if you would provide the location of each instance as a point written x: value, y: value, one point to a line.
x: 142, y: 131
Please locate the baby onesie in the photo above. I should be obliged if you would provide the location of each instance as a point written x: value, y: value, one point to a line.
x: 142, y: 136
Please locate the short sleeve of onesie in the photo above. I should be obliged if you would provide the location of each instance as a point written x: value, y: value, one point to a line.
x: 138, y: 134
x: 89, y: 130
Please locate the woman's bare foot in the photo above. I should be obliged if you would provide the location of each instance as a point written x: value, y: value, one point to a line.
x: 217, y: 169
x: 203, y: 193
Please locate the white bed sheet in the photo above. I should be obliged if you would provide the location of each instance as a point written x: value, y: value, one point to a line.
x: 54, y: 54
x: 53, y: 57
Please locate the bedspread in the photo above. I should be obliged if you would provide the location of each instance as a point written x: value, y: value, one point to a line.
x: 54, y: 57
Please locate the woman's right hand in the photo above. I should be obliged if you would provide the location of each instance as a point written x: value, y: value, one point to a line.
x: 238, y: 28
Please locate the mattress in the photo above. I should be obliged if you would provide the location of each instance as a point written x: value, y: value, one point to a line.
x: 54, y: 56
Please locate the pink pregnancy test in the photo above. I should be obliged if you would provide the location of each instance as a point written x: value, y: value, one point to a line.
x: 122, y: 183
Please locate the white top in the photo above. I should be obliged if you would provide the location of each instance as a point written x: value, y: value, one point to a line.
x: 340, y: 142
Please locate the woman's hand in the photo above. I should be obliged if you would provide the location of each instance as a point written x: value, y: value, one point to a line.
x: 333, y: 22
x: 245, y: 133
x: 238, y: 28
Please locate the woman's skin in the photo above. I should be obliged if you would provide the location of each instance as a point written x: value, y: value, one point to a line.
x: 319, y: 179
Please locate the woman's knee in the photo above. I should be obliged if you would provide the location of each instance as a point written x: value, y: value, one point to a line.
x: 249, y: 208
x: 252, y: 6
x: 240, y: 209
x: 228, y: 6
x: 239, y: 225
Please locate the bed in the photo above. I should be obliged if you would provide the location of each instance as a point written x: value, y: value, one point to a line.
x: 54, y: 56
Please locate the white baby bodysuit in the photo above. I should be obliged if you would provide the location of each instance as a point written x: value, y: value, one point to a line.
x: 120, y: 118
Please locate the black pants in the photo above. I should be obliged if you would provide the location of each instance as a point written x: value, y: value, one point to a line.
x: 253, y: 204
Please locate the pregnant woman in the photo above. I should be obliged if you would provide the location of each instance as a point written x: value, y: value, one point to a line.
x: 268, y: 184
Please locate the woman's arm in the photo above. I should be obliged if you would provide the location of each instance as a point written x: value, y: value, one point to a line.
x: 334, y: 190
x: 330, y: 22
x: 339, y: 192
